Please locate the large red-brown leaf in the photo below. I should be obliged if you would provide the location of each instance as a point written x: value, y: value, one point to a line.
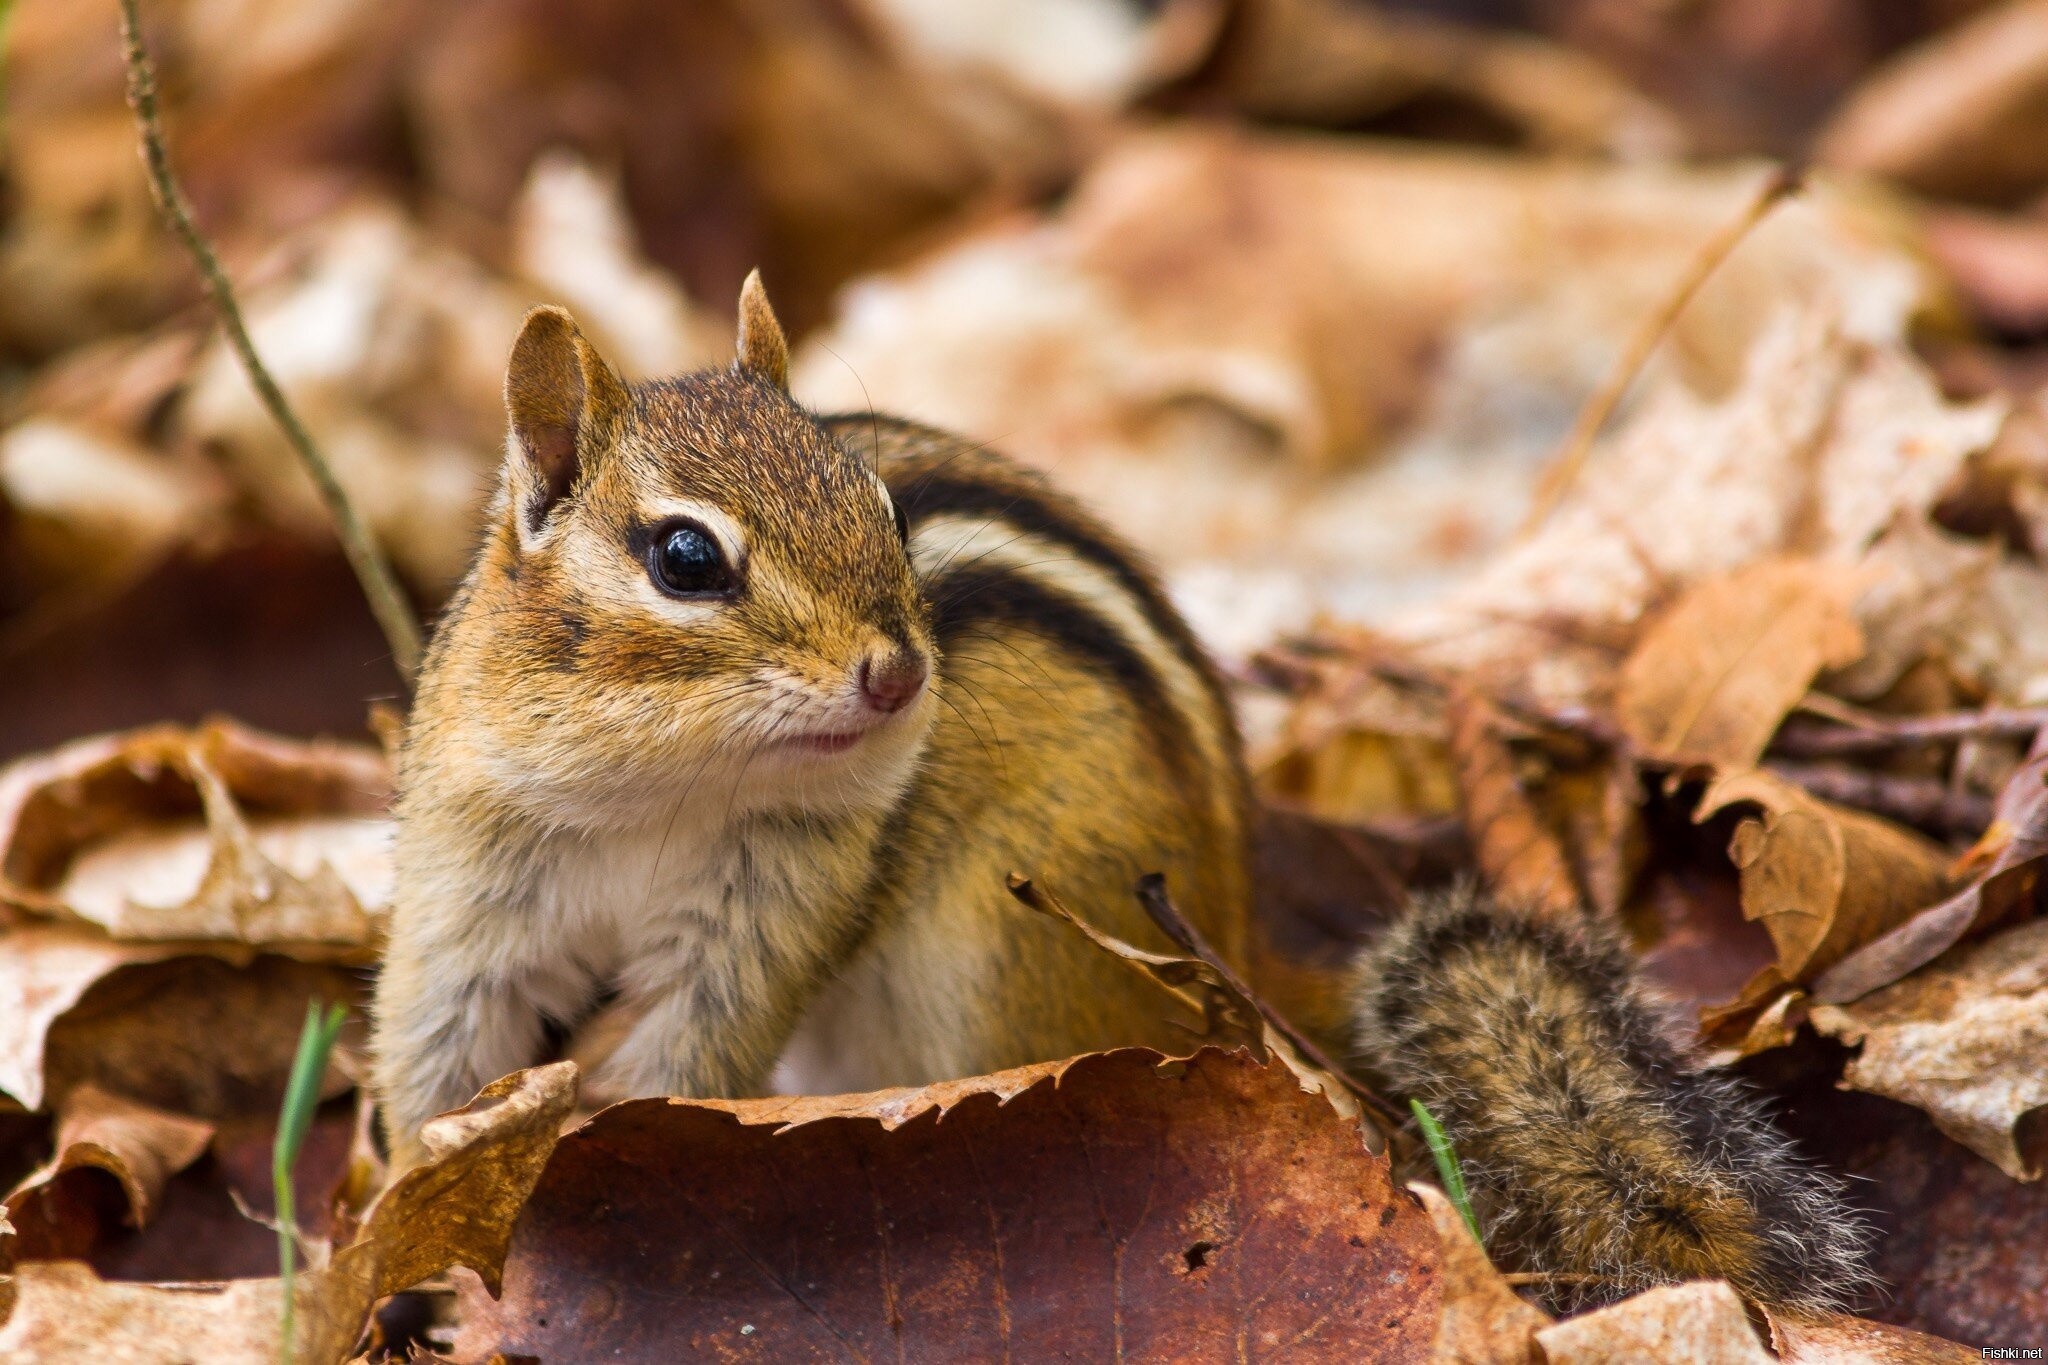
x: 1110, y: 1207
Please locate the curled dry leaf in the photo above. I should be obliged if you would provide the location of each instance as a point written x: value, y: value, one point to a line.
x: 1821, y: 879
x: 1963, y: 1040
x: 2006, y: 864
x: 100, y: 1138
x: 1712, y: 677
x: 1484, y: 1321
x: 1113, y: 1205
x: 456, y: 1209
x: 1702, y: 1322
x: 1522, y: 860
x: 1830, y: 430
x: 221, y: 834
x: 160, y: 1023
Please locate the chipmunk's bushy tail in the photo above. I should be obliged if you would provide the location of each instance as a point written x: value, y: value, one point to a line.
x: 1592, y: 1147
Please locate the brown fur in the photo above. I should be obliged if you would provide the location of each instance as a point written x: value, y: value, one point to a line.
x: 595, y: 797
x: 1592, y: 1146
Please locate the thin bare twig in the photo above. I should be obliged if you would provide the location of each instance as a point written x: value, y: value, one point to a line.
x: 380, y: 585
x: 1601, y: 403
x: 1152, y: 895
x: 1520, y: 1278
x: 1882, y: 734
x: 1924, y: 802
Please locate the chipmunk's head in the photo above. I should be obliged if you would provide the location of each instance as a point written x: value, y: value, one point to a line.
x: 691, y: 587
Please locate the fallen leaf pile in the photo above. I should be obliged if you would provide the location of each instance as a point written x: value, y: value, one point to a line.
x: 1569, y: 505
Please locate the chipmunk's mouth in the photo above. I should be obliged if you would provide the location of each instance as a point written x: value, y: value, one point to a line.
x: 823, y: 742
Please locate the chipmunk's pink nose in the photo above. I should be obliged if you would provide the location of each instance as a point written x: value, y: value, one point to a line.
x: 891, y: 681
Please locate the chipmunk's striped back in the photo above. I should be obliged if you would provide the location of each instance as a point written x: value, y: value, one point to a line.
x: 1084, y: 740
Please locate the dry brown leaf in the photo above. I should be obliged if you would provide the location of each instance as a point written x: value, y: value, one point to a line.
x: 1961, y: 1039
x: 1522, y: 860
x: 1158, y: 345
x: 197, y: 1034
x: 1958, y: 115
x: 1835, y: 1339
x: 390, y: 346
x: 1484, y: 1321
x: 1920, y: 581
x: 94, y: 509
x: 1829, y: 434
x: 206, y: 1035
x: 1823, y: 880
x: 1711, y: 678
x: 1115, y: 1204
x: 221, y: 833
x: 1334, y: 65
x: 63, y: 1314
x: 1598, y: 813
x: 1230, y: 1018
x: 2005, y: 867
x: 99, y: 1137
x: 85, y: 254
x: 457, y: 1209
x: 1702, y: 1322
x: 573, y: 238
x: 1700, y: 950
x: 1961, y: 1255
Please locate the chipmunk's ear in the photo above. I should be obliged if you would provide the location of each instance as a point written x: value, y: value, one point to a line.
x: 763, y: 349
x: 566, y: 405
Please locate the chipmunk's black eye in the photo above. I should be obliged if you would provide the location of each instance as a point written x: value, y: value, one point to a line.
x: 902, y: 522
x: 685, y: 561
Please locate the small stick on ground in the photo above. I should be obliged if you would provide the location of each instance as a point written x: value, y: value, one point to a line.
x: 1882, y: 734
x: 1601, y: 403
x: 1152, y: 895
x: 380, y: 585
x: 1924, y: 802
x: 1519, y: 1278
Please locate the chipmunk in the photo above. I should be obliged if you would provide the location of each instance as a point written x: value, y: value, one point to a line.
x: 727, y: 721
x: 742, y: 715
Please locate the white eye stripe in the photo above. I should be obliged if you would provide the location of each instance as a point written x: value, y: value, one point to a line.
x: 732, y: 542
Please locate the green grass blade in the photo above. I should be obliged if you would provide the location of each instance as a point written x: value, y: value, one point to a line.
x: 1447, y: 1167
x: 294, y: 1121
